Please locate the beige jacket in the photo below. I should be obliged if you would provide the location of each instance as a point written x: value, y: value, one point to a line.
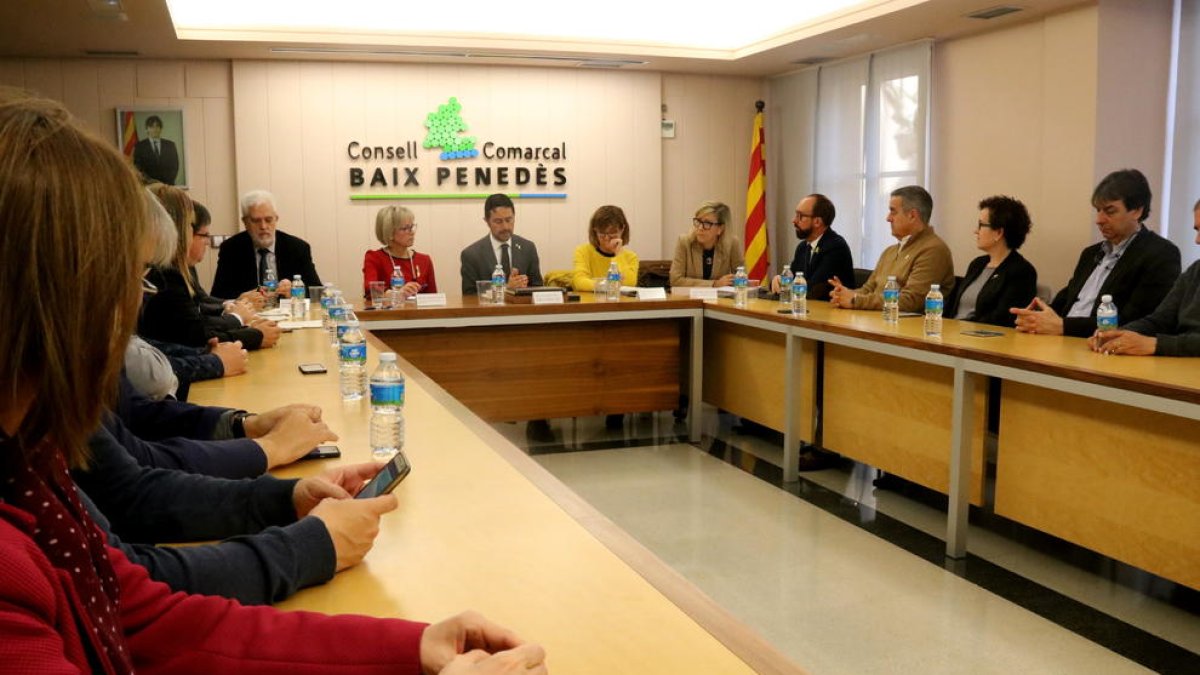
x: 923, y: 261
x: 687, y: 269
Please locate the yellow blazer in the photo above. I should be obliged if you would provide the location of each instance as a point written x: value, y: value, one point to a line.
x: 687, y: 268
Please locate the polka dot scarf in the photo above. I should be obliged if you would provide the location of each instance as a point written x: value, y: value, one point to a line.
x: 72, y: 543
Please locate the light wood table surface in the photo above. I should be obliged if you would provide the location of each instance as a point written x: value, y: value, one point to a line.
x: 482, y: 526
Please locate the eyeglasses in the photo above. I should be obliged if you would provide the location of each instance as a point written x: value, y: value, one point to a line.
x: 981, y: 225
x: 265, y: 220
x: 608, y: 235
x: 704, y: 224
x: 802, y: 216
x: 206, y: 236
x: 408, y: 228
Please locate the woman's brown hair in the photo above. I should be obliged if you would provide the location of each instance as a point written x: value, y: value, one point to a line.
x: 72, y: 230
x: 608, y: 217
x: 183, y: 214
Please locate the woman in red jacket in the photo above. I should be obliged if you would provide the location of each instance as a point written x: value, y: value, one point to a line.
x: 396, y: 229
x: 73, y: 240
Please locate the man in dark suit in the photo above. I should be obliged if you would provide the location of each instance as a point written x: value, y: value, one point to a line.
x: 822, y: 254
x: 1133, y: 264
x: 154, y: 156
x: 245, y: 258
x: 517, y: 255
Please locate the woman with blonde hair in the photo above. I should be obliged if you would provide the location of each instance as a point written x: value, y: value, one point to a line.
x: 608, y: 236
x: 73, y: 243
x: 707, y: 256
x: 396, y: 229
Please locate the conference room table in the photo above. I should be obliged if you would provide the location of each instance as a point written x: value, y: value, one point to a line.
x: 1098, y: 450
x: 481, y: 525
x: 1102, y: 451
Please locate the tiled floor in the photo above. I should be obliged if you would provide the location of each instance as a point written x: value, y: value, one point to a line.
x: 847, y: 578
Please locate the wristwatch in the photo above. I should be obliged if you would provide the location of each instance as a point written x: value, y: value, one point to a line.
x: 238, y: 423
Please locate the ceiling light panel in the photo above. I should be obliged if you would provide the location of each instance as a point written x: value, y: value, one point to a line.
x: 705, y: 26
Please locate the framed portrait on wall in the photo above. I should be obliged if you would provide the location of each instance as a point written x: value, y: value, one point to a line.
x: 152, y: 138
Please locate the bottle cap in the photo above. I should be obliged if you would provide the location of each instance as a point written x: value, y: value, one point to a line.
x: 1106, y: 298
x: 891, y: 277
x: 934, y: 287
x: 387, y: 357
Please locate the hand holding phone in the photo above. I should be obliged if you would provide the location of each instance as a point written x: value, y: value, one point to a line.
x: 387, y: 479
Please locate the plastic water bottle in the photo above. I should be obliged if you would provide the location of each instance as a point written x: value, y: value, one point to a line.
x: 1106, y: 314
x: 352, y: 360
x: 934, y: 302
x: 344, y: 322
x: 799, y: 293
x: 612, y: 288
x: 785, y: 286
x: 327, y: 298
x: 740, y: 290
x: 891, y: 301
x: 337, y: 315
x: 387, y: 408
x: 498, y: 283
x: 270, y: 290
x: 297, y: 297
x: 396, y: 297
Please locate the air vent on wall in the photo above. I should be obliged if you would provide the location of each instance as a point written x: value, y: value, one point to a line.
x: 993, y: 12
x: 581, y: 61
x: 811, y: 61
x: 123, y: 53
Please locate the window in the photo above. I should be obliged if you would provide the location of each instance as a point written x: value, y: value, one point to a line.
x: 871, y: 139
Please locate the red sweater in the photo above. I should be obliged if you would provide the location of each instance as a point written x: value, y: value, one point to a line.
x: 178, y: 633
x: 377, y: 266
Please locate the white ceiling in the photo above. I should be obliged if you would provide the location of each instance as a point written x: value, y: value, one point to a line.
x: 143, y: 28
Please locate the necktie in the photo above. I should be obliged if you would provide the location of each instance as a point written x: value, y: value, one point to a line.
x: 505, y: 261
x: 262, y: 267
x: 156, y: 151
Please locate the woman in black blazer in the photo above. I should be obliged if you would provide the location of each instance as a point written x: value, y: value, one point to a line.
x: 1001, y: 279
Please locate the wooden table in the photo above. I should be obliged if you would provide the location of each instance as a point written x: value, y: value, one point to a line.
x: 1098, y: 450
x: 483, y: 526
x: 524, y: 361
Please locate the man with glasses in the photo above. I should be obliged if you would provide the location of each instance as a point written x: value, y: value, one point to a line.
x: 1133, y: 264
x: 822, y: 254
x: 517, y: 255
x: 918, y: 260
x: 246, y: 257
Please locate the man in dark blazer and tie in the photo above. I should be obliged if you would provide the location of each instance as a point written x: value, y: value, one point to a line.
x: 155, y: 156
x: 822, y: 254
x: 245, y: 257
x: 517, y: 255
x: 1133, y: 264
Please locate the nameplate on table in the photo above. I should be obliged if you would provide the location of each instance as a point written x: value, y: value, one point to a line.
x: 702, y: 293
x: 548, y: 298
x: 285, y: 305
x: 651, y: 294
x: 431, y: 299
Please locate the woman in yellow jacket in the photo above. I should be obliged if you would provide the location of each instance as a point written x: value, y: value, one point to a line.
x: 608, y: 234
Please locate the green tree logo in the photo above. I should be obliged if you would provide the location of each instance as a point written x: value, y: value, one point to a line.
x: 444, y: 125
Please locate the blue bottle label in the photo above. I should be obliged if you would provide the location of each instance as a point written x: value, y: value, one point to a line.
x: 933, y: 305
x: 353, y: 353
x: 271, y: 285
x: 398, y: 281
x: 298, y: 292
x: 337, y: 313
x: 1106, y: 322
x: 891, y: 296
x: 391, y: 393
x: 800, y: 289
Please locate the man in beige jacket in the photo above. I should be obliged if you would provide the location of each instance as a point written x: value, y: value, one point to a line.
x: 918, y: 260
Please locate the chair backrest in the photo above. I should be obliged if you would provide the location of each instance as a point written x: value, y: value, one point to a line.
x: 654, y: 273
x: 860, y: 276
x: 1045, y: 292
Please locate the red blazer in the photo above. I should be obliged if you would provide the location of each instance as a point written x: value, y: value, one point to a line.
x: 377, y: 266
x: 178, y: 633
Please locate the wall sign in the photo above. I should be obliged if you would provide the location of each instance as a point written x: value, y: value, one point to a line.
x: 454, y: 166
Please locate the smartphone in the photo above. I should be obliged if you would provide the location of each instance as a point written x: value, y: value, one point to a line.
x: 982, y: 333
x: 323, y: 452
x: 312, y: 368
x: 387, y: 479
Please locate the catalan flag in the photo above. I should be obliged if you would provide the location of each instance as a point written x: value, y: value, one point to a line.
x: 129, y: 137
x: 756, y: 203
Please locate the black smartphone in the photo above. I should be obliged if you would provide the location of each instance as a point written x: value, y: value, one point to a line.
x: 387, y: 479
x: 312, y: 368
x: 982, y: 333
x: 323, y: 452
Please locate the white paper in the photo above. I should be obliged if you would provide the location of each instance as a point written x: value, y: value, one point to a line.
x: 651, y: 293
x: 430, y: 299
x: 547, y: 298
x: 293, y: 325
x: 702, y: 293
